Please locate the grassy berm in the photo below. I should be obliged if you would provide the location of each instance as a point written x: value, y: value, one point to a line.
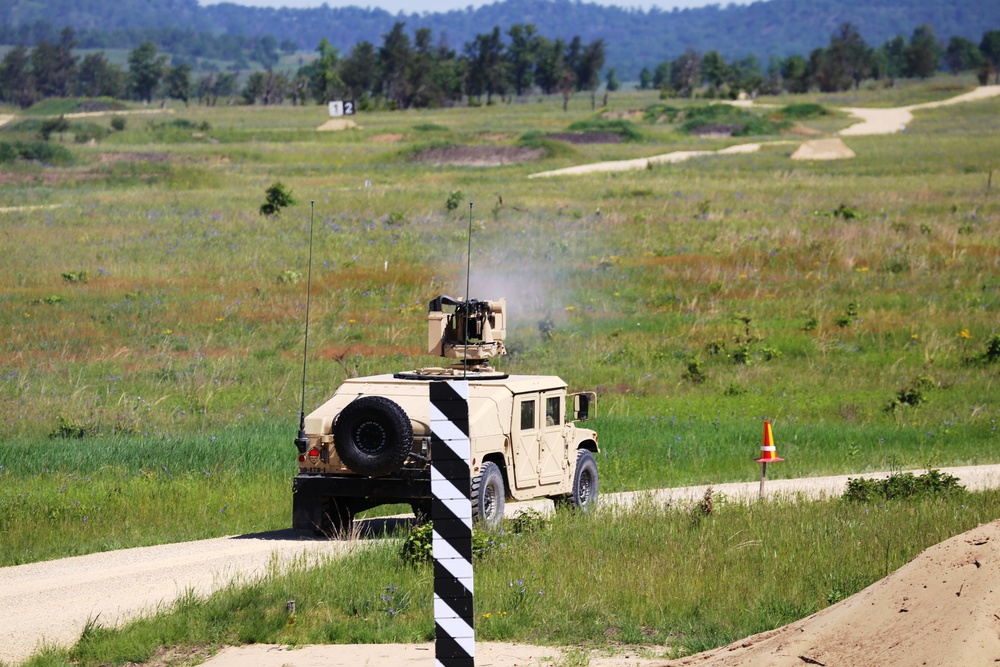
x: 153, y: 327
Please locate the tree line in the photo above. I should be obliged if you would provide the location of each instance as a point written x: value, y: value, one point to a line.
x: 418, y: 72
x: 844, y: 64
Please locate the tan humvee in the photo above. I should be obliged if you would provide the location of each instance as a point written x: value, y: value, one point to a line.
x: 369, y: 444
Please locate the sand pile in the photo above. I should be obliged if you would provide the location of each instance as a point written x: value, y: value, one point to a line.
x: 940, y: 609
x: 823, y: 149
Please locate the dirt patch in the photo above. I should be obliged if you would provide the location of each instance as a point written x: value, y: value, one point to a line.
x: 823, y: 149
x: 937, y: 610
x: 493, y: 136
x: 631, y: 114
x: 586, y: 138
x: 387, y: 138
x: 716, y: 130
x: 798, y: 129
x: 337, y: 124
x: 479, y: 156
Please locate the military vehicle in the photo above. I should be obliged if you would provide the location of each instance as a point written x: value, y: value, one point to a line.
x: 369, y: 444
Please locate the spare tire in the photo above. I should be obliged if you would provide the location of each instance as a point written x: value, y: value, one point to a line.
x: 373, y: 436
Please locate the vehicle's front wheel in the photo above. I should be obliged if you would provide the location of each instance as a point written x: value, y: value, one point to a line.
x: 488, y: 495
x: 585, y: 482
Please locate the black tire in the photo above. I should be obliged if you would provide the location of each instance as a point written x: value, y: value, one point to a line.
x: 373, y: 436
x: 330, y: 516
x: 585, y: 482
x: 488, y: 494
x: 338, y: 518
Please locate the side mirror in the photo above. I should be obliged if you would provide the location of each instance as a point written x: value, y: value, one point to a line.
x: 581, y: 405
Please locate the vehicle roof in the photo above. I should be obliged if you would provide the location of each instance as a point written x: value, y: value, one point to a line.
x: 516, y: 384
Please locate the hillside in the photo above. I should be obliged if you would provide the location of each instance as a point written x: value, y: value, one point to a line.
x: 635, y: 38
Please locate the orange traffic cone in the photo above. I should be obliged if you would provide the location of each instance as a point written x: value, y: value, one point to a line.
x: 768, y: 452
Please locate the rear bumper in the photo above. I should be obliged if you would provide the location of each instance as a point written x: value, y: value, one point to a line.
x: 390, y: 489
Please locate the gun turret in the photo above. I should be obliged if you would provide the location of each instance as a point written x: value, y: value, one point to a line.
x: 470, y: 331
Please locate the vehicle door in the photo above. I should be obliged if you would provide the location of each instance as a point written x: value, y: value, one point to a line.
x: 552, y: 452
x: 525, y: 435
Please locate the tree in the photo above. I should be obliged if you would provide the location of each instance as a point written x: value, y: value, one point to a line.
x: 359, y: 70
x: 97, y: 77
x: 393, y: 58
x: 645, y: 79
x: 685, y: 73
x: 145, y: 70
x: 288, y: 47
x: 894, y: 52
x: 714, y: 70
x: 923, y: 56
x: 265, y: 51
x: 846, y: 62
x: 521, y: 56
x: 661, y: 75
x: 990, y: 48
x: 962, y: 54
x: 612, y: 83
x: 16, y: 82
x: 745, y: 75
x: 54, y: 66
x: 177, y: 83
x: 795, y: 74
x: 487, y: 66
x: 588, y: 70
x: 550, y: 64
x: 323, y: 73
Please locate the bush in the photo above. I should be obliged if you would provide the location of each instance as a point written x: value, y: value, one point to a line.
x: 902, y: 486
x: 454, y: 199
x: 911, y: 394
x: 118, y: 123
x: 803, y: 110
x: 35, y: 150
x: 276, y: 198
x: 51, y: 126
x: 623, y: 128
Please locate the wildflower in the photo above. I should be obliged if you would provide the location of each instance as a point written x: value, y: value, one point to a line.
x: 570, y: 308
x: 486, y: 615
x: 352, y: 321
x: 914, y: 336
x: 27, y: 314
x: 167, y: 332
x: 964, y: 333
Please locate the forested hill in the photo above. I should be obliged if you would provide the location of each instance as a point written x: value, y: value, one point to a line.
x: 635, y: 38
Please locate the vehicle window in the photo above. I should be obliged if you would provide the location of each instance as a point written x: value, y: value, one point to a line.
x: 552, y: 412
x: 527, y: 415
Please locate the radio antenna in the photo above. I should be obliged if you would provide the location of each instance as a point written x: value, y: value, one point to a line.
x: 302, y: 441
x: 468, y: 272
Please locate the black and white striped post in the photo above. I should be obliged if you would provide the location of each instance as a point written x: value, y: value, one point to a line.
x: 451, y: 512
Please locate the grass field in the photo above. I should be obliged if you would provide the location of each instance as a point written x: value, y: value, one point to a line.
x: 153, y: 320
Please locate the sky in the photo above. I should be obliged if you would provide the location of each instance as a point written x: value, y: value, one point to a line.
x: 421, y: 6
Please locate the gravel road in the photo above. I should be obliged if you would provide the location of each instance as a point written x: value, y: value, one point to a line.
x: 52, y: 601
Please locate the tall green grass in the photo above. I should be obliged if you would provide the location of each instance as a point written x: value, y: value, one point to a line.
x: 679, y: 580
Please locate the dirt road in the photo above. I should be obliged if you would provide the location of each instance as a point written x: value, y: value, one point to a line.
x: 52, y: 601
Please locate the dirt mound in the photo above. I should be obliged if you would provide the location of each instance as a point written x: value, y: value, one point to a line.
x: 823, y: 149
x: 479, y: 156
x: 938, y: 610
x: 585, y: 138
x: 336, y: 124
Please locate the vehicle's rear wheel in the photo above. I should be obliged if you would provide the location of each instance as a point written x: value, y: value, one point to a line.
x: 488, y: 495
x: 338, y: 517
x: 373, y: 436
x: 585, y: 482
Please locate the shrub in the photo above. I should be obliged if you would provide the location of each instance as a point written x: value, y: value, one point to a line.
x: 694, y: 372
x: 803, y: 110
x: 623, y: 128
x: 52, y: 125
x: 454, y: 199
x: 276, y: 198
x: 902, y: 486
x: 118, y: 123
x: 911, y: 394
x: 67, y: 428
x: 35, y: 150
